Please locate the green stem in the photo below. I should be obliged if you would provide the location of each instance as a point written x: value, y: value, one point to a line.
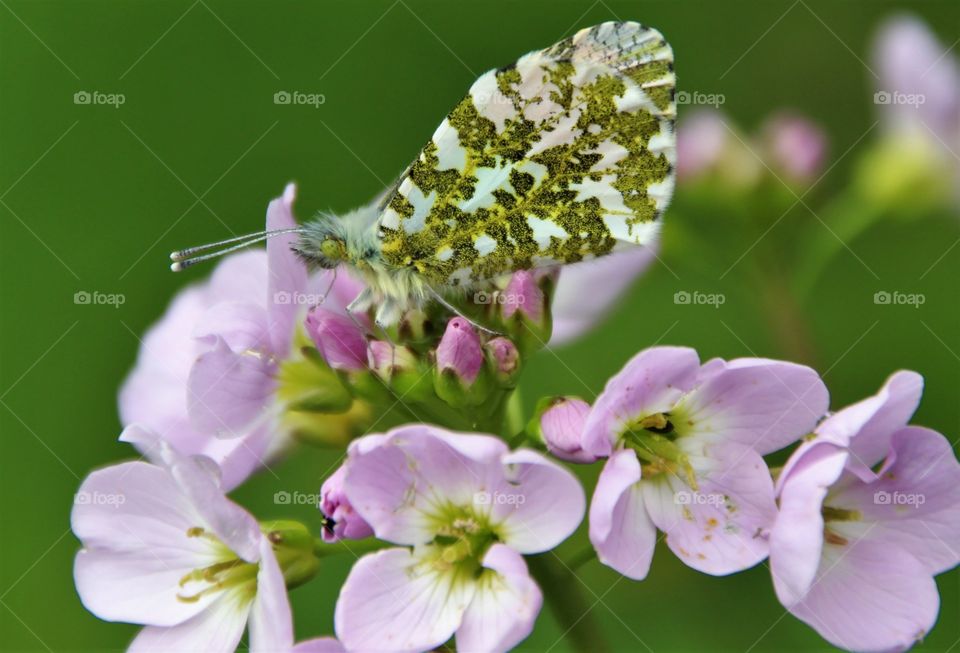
x: 563, y: 592
x: 586, y: 555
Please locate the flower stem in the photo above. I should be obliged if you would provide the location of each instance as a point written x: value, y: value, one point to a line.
x: 563, y: 592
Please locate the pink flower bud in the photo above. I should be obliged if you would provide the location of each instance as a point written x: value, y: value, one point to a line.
x: 459, y: 350
x: 343, y: 523
x: 523, y: 294
x: 562, y: 428
x: 339, y: 340
x: 796, y: 145
x: 386, y: 359
x: 701, y: 141
x: 505, y: 355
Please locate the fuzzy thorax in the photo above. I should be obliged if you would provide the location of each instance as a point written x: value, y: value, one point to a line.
x: 352, y: 240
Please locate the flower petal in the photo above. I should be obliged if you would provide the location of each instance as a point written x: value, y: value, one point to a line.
x: 548, y: 503
x: 504, y: 606
x: 271, y: 622
x: 758, y: 403
x: 870, y: 597
x: 620, y: 528
x: 396, y: 600
x: 216, y: 629
x: 915, y: 503
x: 587, y: 291
x: 287, y: 273
x: 243, y: 325
x: 796, y: 540
x: 652, y: 382
x: 227, y: 391
x: 722, y: 527
x: 319, y: 645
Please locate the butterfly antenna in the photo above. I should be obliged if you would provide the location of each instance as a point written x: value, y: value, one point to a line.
x: 186, y: 258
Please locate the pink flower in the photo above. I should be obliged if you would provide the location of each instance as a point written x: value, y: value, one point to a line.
x: 463, y: 509
x: 797, y: 146
x: 587, y: 291
x: 561, y: 426
x: 853, y: 552
x: 163, y: 547
x: 239, y: 323
x: 523, y: 295
x: 459, y: 351
x: 701, y: 142
x: 343, y: 522
x: 340, y: 341
x: 505, y: 356
x: 685, y: 443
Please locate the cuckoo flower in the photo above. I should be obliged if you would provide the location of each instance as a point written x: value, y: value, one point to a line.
x: 853, y: 552
x: 163, y: 547
x: 561, y: 425
x: 463, y: 509
x: 685, y: 443
x: 243, y: 314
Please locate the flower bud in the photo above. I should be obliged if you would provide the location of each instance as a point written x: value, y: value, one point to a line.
x: 505, y: 357
x: 339, y: 340
x: 561, y: 427
x: 343, y: 523
x: 701, y: 141
x: 459, y: 350
x: 797, y: 146
x: 523, y: 294
x: 387, y: 360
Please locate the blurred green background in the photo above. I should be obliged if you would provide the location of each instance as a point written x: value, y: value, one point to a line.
x: 94, y: 197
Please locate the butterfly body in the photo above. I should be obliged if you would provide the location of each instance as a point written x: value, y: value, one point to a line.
x: 564, y: 156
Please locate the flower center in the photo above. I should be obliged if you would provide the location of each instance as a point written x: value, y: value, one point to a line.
x: 837, y: 515
x: 229, y: 571
x: 653, y: 438
x: 463, y: 538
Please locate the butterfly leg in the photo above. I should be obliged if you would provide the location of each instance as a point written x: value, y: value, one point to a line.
x: 453, y: 309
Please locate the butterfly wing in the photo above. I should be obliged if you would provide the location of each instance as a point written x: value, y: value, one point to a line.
x: 563, y: 156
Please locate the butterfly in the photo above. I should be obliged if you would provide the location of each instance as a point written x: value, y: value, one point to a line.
x: 566, y: 155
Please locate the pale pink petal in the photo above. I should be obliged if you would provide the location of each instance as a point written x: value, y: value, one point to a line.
x: 870, y: 596
x: 338, y: 338
x: 523, y: 294
x: 701, y: 140
x: 620, y: 529
x: 796, y: 541
x: 721, y: 527
x: 459, y: 350
x: 217, y: 629
x: 504, y: 606
x: 652, y: 382
x: 287, y: 273
x: 242, y: 325
x: 915, y: 502
x: 240, y: 277
x: 587, y: 291
x: 227, y: 391
x: 394, y: 600
x: 540, y: 504
x: 758, y: 403
x: 562, y: 426
x: 271, y: 622
x: 319, y: 645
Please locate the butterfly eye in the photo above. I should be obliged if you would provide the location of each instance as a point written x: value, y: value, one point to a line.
x: 333, y: 249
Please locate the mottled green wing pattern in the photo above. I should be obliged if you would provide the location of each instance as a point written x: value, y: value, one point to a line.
x: 563, y: 156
